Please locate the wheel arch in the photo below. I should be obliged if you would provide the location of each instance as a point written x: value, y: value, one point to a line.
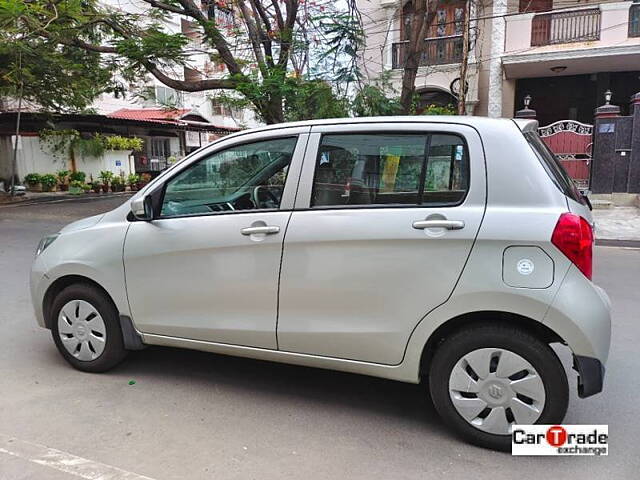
x: 59, y: 285
x: 534, y: 327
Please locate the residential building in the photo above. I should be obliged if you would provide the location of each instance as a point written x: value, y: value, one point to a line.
x: 563, y: 53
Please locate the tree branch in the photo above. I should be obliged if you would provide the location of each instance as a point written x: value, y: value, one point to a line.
x: 165, y: 6
x: 254, y: 36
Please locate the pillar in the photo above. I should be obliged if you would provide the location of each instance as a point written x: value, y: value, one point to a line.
x: 498, y: 26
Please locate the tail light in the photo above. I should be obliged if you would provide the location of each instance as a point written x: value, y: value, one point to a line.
x: 573, y: 237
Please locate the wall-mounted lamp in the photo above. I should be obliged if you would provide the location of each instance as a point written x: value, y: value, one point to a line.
x: 527, y: 100
x: 607, y: 97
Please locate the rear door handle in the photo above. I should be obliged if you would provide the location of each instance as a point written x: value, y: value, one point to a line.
x: 448, y: 224
x: 267, y: 230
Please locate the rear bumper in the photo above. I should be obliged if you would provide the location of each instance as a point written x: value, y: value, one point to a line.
x: 590, y: 375
x: 581, y: 315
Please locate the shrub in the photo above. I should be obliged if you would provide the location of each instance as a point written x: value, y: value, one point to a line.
x: 106, y: 176
x: 32, y: 179
x: 48, y: 181
x: 117, y: 180
x: 76, y: 184
x: 62, y: 175
x: 77, y: 176
x: 116, y: 142
x: 133, y: 179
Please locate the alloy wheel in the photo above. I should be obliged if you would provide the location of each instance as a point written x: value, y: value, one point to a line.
x: 82, y: 330
x: 494, y: 389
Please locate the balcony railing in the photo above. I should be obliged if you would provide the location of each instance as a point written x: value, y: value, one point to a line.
x: 438, y: 51
x: 565, y: 27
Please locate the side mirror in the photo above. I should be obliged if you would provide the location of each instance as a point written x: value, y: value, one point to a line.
x: 142, y: 208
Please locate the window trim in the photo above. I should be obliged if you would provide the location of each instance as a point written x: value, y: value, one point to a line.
x: 428, y: 134
x: 205, y: 156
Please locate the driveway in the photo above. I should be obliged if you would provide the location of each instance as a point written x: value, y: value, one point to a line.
x: 192, y: 415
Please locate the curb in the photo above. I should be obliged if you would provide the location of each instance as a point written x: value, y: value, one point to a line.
x: 63, y: 198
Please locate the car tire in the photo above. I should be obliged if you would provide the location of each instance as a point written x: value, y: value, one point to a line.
x: 542, y: 378
x: 86, y: 329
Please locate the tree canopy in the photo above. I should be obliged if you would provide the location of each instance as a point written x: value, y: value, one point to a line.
x: 54, y: 76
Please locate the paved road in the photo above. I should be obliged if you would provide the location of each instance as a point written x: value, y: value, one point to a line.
x: 202, y: 416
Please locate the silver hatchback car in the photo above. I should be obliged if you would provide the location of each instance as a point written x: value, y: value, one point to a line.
x: 452, y: 250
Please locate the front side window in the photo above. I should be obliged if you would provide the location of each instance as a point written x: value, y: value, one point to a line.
x: 390, y: 169
x: 244, y: 177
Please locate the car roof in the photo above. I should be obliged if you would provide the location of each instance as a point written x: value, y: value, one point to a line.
x: 479, y: 123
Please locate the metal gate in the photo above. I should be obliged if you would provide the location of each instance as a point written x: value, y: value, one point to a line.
x: 571, y: 141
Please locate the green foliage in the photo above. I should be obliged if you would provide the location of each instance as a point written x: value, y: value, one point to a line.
x: 32, y: 179
x: 89, y: 147
x: 116, y: 180
x: 116, y: 142
x: 48, y: 181
x: 58, y: 77
x: 372, y: 101
x: 133, y: 179
x: 106, y: 176
x: 76, y: 184
x: 77, y: 176
x: 439, y: 110
x: 62, y: 175
x: 58, y: 142
x: 311, y: 99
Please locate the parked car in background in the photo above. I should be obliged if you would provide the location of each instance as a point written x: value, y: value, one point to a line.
x: 452, y: 250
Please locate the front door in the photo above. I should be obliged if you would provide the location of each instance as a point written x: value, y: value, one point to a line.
x: 208, y: 268
x: 385, y: 220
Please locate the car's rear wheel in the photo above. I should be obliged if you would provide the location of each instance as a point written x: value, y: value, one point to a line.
x: 484, y: 380
x: 86, y: 329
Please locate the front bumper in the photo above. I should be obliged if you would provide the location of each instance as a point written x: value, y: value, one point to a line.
x: 590, y: 375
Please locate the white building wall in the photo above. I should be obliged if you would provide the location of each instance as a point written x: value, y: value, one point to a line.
x: 34, y: 158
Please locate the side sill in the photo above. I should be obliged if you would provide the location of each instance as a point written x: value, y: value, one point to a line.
x: 402, y: 372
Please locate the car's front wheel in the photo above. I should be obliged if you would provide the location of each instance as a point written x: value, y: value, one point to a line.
x: 86, y: 328
x: 486, y: 379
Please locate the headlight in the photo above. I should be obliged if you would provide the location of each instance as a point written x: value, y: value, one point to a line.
x: 45, y: 242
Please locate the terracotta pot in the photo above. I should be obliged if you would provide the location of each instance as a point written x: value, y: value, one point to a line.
x: 96, y: 188
x: 64, y: 187
x: 105, y: 188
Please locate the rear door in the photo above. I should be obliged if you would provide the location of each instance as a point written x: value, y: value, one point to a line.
x: 385, y: 218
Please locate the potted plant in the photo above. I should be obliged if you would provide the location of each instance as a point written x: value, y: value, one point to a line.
x: 144, y: 179
x: 77, y: 176
x: 105, y: 177
x: 33, y: 181
x: 117, y: 184
x: 48, y: 182
x: 75, y: 187
x: 132, y: 180
x: 96, y: 185
x: 85, y: 187
x: 62, y: 180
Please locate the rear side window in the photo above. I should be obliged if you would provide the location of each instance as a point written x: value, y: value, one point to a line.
x: 390, y: 169
x: 553, y: 167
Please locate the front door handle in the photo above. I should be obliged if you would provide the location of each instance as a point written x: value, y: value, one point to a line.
x: 448, y: 224
x: 267, y: 230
